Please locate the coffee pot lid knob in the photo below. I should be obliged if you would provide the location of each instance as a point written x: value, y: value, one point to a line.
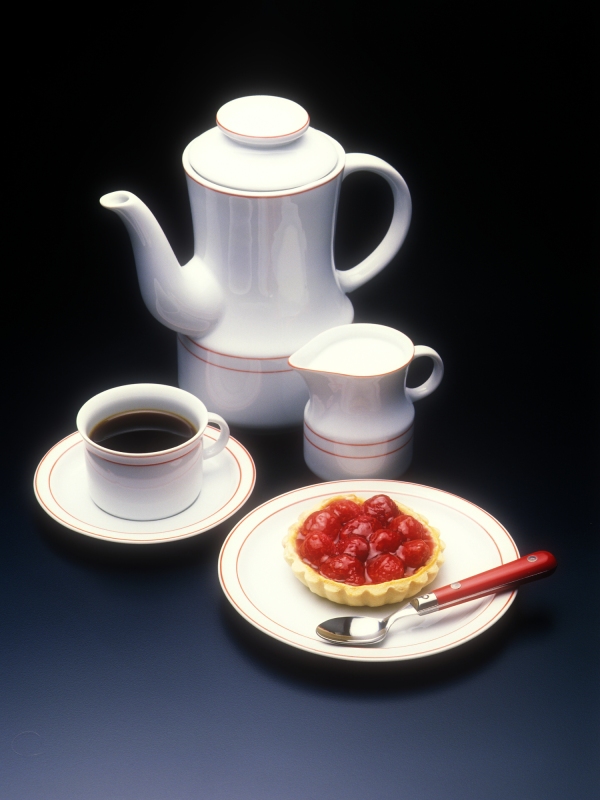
x: 262, y: 120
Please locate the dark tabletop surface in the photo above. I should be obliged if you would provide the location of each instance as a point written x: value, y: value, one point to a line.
x: 125, y: 673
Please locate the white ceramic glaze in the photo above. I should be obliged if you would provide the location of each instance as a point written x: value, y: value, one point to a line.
x: 359, y: 420
x: 262, y: 281
x: 262, y: 588
x: 269, y: 388
x: 262, y: 120
x: 60, y: 486
x: 262, y: 144
x: 147, y: 486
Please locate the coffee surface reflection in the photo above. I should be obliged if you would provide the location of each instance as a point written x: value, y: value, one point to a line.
x: 142, y: 431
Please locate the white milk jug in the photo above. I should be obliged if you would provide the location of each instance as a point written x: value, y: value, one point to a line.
x: 359, y: 420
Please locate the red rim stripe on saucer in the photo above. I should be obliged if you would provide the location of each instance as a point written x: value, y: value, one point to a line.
x: 365, y: 654
x: 96, y: 531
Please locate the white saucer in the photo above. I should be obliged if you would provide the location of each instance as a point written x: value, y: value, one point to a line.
x: 60, y: 486
x: 262, y: 588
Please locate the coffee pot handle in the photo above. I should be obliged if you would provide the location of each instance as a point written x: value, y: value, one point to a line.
x: 351, y: 279
x: 433, y: 381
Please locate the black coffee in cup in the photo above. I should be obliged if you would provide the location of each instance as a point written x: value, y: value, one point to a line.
x: 142, y: 431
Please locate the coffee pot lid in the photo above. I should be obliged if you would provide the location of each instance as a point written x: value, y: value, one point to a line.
x: 262, y: 144
x: 262, y: 120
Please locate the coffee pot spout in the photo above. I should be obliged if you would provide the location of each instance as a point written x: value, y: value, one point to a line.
x: 186, y: 298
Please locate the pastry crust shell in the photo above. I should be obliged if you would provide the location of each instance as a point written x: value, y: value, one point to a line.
x: 369, y: 594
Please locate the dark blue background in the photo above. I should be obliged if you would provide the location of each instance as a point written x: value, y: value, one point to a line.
x: 124, y: 672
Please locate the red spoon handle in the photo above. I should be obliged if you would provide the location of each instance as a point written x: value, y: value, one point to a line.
x: 508, y: 576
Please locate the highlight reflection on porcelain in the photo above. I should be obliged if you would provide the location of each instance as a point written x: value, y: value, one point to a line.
x: 60, y: 486
x: 264, y: 189
x: 359, y: 420
x: 147, y: 486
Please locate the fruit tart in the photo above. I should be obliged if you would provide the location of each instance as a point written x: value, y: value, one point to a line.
x: 363, y: 552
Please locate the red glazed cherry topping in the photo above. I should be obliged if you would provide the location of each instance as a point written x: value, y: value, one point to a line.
x: 363, y: 525
x: 322, y: 521
x: 354, y: 546
x: 408, y: 527
x: 344, y: 509
x: 416, y: 553
x: 340, y: 538
x: 382, y: 508
x: 385, y: 540
x: 385, y: 567
x: 316, y: 547
x: 344, y: 568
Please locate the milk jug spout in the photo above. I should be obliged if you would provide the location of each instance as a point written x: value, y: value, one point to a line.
x: 187, y: 298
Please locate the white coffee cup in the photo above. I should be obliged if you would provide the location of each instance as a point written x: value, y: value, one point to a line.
x: 144, y: 486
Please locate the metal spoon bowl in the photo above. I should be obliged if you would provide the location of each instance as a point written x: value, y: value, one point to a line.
x: 355, y: 630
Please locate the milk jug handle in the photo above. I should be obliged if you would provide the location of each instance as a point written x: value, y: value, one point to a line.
x: 351, y: 279
x: 433, y: 381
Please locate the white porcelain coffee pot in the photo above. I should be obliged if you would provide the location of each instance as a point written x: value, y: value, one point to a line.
x: 359, y: 421
x: 264, y: 190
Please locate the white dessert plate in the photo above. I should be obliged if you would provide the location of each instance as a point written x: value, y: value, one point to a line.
x: 262, y: 588
x: 61, y: 489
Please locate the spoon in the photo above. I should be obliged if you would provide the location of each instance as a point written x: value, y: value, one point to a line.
x: 366, y: 630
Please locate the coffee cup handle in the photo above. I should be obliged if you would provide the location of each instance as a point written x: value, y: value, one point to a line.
x: 350, y: 279
x: 216, y: 447
x: 433, y: 381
